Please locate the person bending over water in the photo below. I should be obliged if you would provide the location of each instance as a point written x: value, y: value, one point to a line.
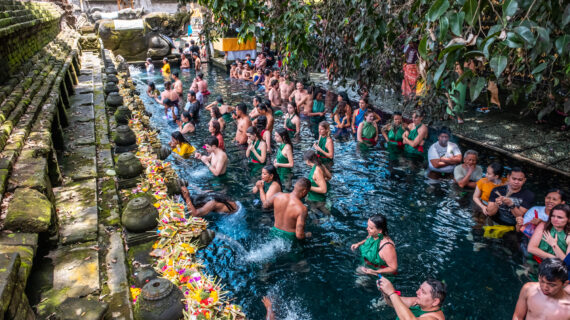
x: 318, y: 176
x: 425, y: 305
x: 415, y: 138
x: 393, y: 132
x: 284, y: 159
x: 268, y: 185
x: 290, y: 213
x: 205, y: 203
x: 257, y: 149
x: 225, y: 109
x: 378, y: 250
x: 550, y: 239
x: 368, y: 130
x: 180, y: 146
x: 152, y: 91
x: 292, y: 120
x: 547, y: 298
x: 325, y: 145
x: 214, y: 128
x: 216, y: 160
x: 243, y: 123
x: 493, y: 178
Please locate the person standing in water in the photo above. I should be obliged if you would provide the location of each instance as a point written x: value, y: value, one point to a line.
x: 215, y: 130
x: 243, y: 123
x: 284, y: 159
x: 197, y: 62
x: 261, y: 124
x: 378, y: 250
x: 290, y: 212
x: 216, y: 160
x: 415, y: 138
x: 292, y: 120
x: 493, y: 178
x: 274, y: 95
x: 393, y: 132
x: 165, y: 68
x: 257, y: 149
x: 215, y: 114
x: 186, y: 124
x: 358, y: 114
x: 550, y: 239
x: 317, y: 114
x: 225, y: 109
x: 426, y: 305
x: 268, y: 185
x: 368, y: 130
x: 177, y: 84
x: 341, y: 117
x: 180, y: 146
x: 325, y: 145
x: 547, y: 298
x: 286, y: 87
x: 318, y: 176
x: 149, y: 66
x: 300, y: 96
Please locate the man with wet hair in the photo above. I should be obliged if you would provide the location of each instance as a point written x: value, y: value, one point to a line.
x: 177, y: 83
x: 290, y: 213
x: 545, y: 299
x: 197, y: 62
x: 216, y: 160
x: 426, y: 305
x: 243, y: 123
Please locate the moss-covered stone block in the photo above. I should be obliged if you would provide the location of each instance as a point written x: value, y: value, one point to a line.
x: 27, y: 260
x: 29, y: 211
x: 9, y: 267
x: 31, y: 172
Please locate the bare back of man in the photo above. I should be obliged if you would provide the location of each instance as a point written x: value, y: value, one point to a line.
x: 178, y: 87
x: 243, y: 124
x: 285, y: 89
x: 540, y: 306
x: 290, y: 213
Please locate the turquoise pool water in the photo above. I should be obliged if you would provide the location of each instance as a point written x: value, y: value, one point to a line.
x: 431, y: 224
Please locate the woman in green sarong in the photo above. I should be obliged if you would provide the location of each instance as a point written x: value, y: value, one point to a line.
x: 393, y: 132
x: 378, y: 251
x: 269, y: 185
x: 325, y: 145
x: 550, y: 239
x: 319, y: 177
x: 256, y: 150
x: 317, y: 114
x: 415, y: 138
x: 284, y: 159
x: 367, y: 132
x: 292, y: 120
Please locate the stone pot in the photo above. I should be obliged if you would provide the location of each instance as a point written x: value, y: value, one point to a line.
x: 159, y: 300
x: 128, y: 166
x: 163, y: 152
x: 139, y: 215
x: 114, y: 100
x: 110, y: 87
x: 123, y: 115
x: 112, y: 78
x: 110, y: 70
x: 124, y: 136
x: 144, y: 275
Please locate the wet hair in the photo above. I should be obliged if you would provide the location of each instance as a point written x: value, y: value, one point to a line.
x: 192, y: 93
x: 273, y: 171
x: 168, y: 102
x: 444, y: 130
x: 200, y: 200
x: 255, y: 132
x: 497, y: 168
x: 165, y: 59
x: 220, y: 100
x: 294, y: 107
x: 304, y: 183
x: 152, y: 85
x: 200, y: 75
x: 216, y: 112
x: 241, y: 107
x: 175, y: 74
x: 553, y: 269
x: 439, y: 290
x: 368, y: 112
x: 282, y: 132
x: 343, y: 95
x: 267, y: 72
x: 167, y: 85
x: 179, y: 137
x: 325, y: 125
x: 518, y: 169
x: 311, y: 156
x: 381, y: 223
x: 216, y: 126
x: 212, y: 141
x: 261, y: 123
x: 262, y: 106
x: 194, y: 54
x: 561, y: 207
x: 274, y: 82
x: 559, y: 191
x: 316, y: 93
x: 258, y: 99
x: 397, y: 113
x: 471, y: 152
x: 188, y: 116
x: 187, y: 45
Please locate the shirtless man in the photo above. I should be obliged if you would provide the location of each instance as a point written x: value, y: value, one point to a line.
x: 545, y: 299
x: 286, y: 87
x: 170, y: 94
x: 197, y: 62
x: 290, y: 212
x: 274, y: 95
x: 426, y: 305
x: 216, y: 160
x: 208, y: 202
x: 200, y: 86
x: 243, y: 123
x: 247, y: 73
x: 177, y: 84
x: 301, y: 98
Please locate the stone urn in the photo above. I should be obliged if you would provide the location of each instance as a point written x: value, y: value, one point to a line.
x: 124, y: 136
x: 144, y: 275
x: 139, y: 215
x: 110, y: 70
x: 112, y: 78
x: 159, y: 300
x: 123, y: 115
x: 128, y: 165
x: 114, y: 100
x: 163, y: 152
x: 110, y: 87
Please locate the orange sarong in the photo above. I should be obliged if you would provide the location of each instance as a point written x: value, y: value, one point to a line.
x: 410, y: 78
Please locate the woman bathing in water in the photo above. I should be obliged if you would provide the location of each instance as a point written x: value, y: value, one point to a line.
x: 284, y: 159
x: 256, y: 150
x: 186, y: 124
x: 180, y: 146
x: 268, y: 185
x: 292, y: 120
x: 378, y: 251
x: 367, y: 132
x: 325, y: 145
x: 215, y: 114
x: 225, y: 109
x: 261, y: 125
x: 318, y: 176
x: 215, y: 130
x: 205, y: 203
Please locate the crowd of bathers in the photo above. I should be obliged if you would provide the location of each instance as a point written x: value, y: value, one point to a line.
x: 268, y: 131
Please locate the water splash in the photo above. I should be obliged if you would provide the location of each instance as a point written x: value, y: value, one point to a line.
x: 267, y: 251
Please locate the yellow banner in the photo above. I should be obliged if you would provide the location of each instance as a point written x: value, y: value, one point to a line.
x: 231, y: 44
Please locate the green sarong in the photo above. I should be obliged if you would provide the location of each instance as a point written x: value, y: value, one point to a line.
x: 285, y: 235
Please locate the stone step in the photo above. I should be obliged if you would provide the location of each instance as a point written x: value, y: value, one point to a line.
x: 76, y: 269
x: 76, y: 205
x: 29, y: 211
